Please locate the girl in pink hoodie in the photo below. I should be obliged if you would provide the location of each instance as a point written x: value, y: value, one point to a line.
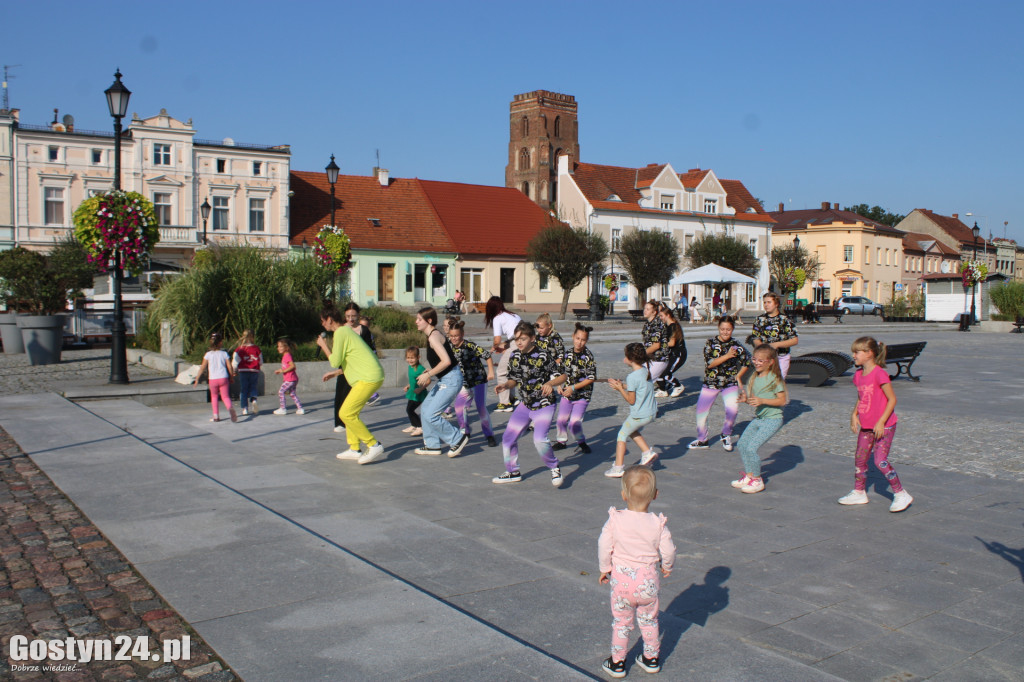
x: 632, y: 544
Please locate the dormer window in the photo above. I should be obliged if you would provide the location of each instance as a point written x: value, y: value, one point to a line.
x: 613, y: 197
x: 375, y: 221
x: 668, y: 202
x: 711, y: 205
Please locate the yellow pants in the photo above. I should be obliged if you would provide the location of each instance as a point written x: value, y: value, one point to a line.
x: 355, y: 430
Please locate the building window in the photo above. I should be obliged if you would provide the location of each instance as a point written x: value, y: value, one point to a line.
x: 53, y: 210
x: 616, y: 238
x: 97, y: 156
x: 473, y: 284
x: 848, y: 253
x: 524, y: 159
x: 526, y: 188
x: 668, y: 202
x: 222, y: 165
x: 887, y: 257
x: 545, y: 280
x: 753, y: 249
x: 221, y: 213
x: 161, y: 154
x: 256, y: 218
x: 878, y: 255
x: 751, y: 294
x: 162, y: 208
x: 524, y: 127
x: 711, y: 206
x: 558, y: 126
x: 53, y: 153
x: 257, y: 168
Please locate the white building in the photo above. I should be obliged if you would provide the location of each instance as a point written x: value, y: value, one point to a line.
x: 614, y: 201
x: 57, y: 166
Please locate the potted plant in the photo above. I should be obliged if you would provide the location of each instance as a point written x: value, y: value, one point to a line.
x: 40, y: 285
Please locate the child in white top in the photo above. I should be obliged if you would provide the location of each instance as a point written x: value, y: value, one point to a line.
x: 217, y: 362
x: 632, y: 543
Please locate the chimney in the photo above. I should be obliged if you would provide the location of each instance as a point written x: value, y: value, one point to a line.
x: 835, y: 206
x: 782, y: 207
x: 824, y: 206
x: 956, y: 216
x: 382, y: 176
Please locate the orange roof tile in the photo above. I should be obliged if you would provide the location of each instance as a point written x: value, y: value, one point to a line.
x: 952, y: 226
x: 692, y: 177
x: 740, y: 198
x: 798, y: 219
x: 406, y: 222
x: 646, y: 176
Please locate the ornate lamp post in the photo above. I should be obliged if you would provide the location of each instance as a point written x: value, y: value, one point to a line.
x: 117, y: 103
x: 796, y: 242
x: 975, y: 231
x: 204, y: 210
x: 332, y: 177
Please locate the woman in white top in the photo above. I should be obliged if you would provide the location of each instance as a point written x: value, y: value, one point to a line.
x: 504, y: 325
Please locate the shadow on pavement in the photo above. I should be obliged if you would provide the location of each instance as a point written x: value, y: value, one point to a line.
x: 694, y: 605
x: 1014, y: 556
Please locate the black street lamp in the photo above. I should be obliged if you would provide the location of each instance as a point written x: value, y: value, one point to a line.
x: 975, y: 231
x: 117, y: 103
x: 204, y: 210
x: 332, y: 177
x: 305, y: 244
x: 796, y: 242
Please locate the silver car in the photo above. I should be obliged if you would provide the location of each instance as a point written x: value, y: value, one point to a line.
x: 858, y: 304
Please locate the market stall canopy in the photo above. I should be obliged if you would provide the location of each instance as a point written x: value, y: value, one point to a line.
x: 712, y: 274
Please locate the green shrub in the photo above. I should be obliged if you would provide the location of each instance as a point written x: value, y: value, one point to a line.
x: 1009, y: 298
x: 229, y: 289
x: 387, y: 340
x: 388, y: 319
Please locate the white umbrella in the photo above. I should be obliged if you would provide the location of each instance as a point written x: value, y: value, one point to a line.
x: 711, y: 274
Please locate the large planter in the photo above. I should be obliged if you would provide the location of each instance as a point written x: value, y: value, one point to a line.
x: 43, y: 336
x: 10, y: 333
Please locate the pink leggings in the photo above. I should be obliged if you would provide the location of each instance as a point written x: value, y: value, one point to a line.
x: 869, y: 447
x: 219, y: 388
x: 635, y: 591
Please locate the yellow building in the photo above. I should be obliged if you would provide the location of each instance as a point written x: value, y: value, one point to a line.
x: 857, y: 256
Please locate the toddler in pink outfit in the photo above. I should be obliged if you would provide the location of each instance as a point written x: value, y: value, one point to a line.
x: 632, y: 544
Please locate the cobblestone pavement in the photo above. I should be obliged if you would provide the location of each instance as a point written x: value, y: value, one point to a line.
x: 60, y: 578
x: 76, y: 366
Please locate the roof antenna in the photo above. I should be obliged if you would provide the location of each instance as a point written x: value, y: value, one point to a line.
x: 7, y: 77
x: 378, y: 158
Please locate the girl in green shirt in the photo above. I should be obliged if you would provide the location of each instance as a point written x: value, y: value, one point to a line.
x: 766, y: 391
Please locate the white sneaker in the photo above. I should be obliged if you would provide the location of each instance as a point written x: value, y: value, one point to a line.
x: 375, y: 453
x: 900, y: 501
x: 253, y: 408
x: 280, y: 410
x: 349, y: 454
x: 754, y: 485
x: 245, y: 412
x: 697, y: 445
x: 659, y: 393
x: 339, y: 429
x: 615, y: 472
x: 854, y: 497
x: 741, y: 481
x: 409, y: 429
x: 427, y: 451
x: 648, y: 457
x: 416, y: 432
x: 727, y: 443
x: 556, y: 477
x: 300, y: 411
x: 677, y: 391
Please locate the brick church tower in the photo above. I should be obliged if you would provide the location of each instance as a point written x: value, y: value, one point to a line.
x: 542, y: 125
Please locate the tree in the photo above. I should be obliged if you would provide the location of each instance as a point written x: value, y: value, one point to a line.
x: 650, y: 258
x: 43, y: 283
x: 724, y: 250
x: 567, y: 254
x: 876, y: 213
x: 786, y: 264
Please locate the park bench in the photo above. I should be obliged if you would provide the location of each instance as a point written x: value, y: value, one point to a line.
x: 581, y: 313
x: 903, y: 355
x: 821, y: 311
x: 820, y: 367
x: 1017, y: 326
x: 637, y: 315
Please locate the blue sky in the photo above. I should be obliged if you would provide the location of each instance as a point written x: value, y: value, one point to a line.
x: 904, y: 104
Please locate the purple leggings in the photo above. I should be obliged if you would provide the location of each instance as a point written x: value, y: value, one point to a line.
x: 708, y: 396
x: 479, y: 395
x: 869, y: 447
x: 570, y: 418
x: 517, y: 424
x: 288, y: 388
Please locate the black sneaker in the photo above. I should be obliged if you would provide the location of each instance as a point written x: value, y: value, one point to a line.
x: 697, y: 445
x: 614, y: 669
x: 650, y: 665
x: 491, y: 442
x: 508, y: 477
x: 584, y: 448
x: 558, y: 445
x: 457, y: 448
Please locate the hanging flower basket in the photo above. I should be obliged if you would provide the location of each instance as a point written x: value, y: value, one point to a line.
x: 115, y: 223
x: 972, y: 272
x: 332, y: 249
x: 793, y: 279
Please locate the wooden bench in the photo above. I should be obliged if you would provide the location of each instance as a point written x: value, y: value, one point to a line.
x: 1017, y: 326
x: 820, y: 367
x: 903, y: 355
x: 581, y: 313
x: 637, y: 315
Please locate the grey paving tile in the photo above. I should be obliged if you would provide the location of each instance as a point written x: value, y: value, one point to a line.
x: 847, y: 666
x: 791, y: 645
x: 948, y: 630
x: 927, y: 593
x: 909, y: 654
x: 977, y: 670
x: 766, y: 606
x: 833, y: 627
x: 876, y: 607
x: 1008, y: 654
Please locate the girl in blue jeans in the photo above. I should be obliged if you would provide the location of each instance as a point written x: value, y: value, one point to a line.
x: 445, y: 368
x: 638, y: 391
x: 766, y: 391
